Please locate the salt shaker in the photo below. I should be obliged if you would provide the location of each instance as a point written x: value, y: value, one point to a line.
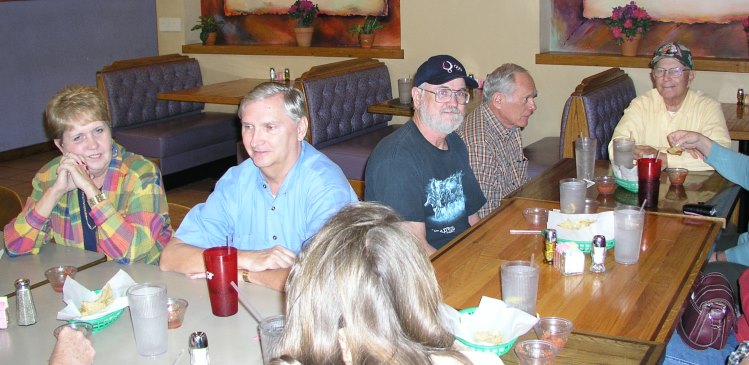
x: 24, y: 303
x: 740, y: 97
x: 272, y: 74
x: 286, y: 75
x: 598, y: 254
x: 198, y: 345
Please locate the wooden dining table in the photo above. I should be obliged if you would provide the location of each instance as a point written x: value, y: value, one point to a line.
x: 737, y: 121
x: 700, y: 186
x: 227, y: 93
x: 641, y: 302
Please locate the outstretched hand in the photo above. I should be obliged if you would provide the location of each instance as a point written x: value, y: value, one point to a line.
x: 696, y: 144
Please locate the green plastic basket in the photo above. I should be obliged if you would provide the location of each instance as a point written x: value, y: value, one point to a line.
x: 585, y: 246
x: 103, y: 321
x: 627, y: 184
x: 499, y: 350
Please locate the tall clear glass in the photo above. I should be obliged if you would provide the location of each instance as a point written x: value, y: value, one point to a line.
x: 148, y: 313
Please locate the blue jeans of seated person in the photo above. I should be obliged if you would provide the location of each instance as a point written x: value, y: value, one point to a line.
x: 678, y: 352
x: 740, y: 253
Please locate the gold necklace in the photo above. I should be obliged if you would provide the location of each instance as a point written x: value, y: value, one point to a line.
x: 90, y: 225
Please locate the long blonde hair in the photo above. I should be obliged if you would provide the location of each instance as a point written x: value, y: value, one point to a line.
x: 364, y: 278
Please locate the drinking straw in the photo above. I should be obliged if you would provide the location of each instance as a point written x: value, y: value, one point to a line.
x: 227, y: 244
x: 657, y: 154
x: 246, y: 303
x: 642, y: 207
x: 524, y: 231
x: 179, y: 356
x: 533, y: 256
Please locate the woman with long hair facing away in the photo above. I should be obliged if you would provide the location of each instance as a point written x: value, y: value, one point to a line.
x: 364, y: 292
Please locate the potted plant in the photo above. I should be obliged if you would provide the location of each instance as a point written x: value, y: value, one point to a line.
x: 365, y: 31
x: 628, y: 24
x: 209, y: 28
x: 304, y: 11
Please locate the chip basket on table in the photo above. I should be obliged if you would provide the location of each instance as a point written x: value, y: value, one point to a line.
x: 104, y: 321
x: 626, y: 179
x: 498, y: 350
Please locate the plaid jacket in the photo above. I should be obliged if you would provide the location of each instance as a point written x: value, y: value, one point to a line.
x: 133, y: 222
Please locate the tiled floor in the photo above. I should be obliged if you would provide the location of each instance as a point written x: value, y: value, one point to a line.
x: 17, y: 175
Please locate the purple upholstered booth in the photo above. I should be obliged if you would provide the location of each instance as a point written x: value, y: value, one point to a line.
x: 178, y: 135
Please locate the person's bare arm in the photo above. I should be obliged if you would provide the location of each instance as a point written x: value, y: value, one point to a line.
x: 419, y: 230
x: 72, y: 348
x: 274, y: 279
x: 473, y: 219
x: 181, y: 257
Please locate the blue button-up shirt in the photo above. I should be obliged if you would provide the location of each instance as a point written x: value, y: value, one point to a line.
x: 242, y: 207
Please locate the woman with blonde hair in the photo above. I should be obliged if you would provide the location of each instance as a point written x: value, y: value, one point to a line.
x: 364, y: 292
x: 95, y: 196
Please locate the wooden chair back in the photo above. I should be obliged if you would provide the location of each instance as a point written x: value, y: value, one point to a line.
x: 594, y: 109
x: 177, y: 213
x: 10, y: 205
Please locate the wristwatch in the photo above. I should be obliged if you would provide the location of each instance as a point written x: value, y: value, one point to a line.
x: 96, y: 199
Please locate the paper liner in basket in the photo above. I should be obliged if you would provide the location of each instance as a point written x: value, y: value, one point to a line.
x: 624, y: 173
x: 581, y: 227
x: 491, y: 315
x: 74, y: 293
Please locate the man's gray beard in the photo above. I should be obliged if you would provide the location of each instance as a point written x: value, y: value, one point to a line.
x: 440, y: 125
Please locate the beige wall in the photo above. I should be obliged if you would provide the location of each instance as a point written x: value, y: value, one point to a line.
x: 481, y: 34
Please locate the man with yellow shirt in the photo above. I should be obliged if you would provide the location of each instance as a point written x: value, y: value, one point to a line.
x: 669, y: 107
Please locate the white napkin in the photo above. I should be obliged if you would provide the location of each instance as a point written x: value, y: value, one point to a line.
x: 74, y: 293
x: 600, y: 223
x: 624, y: 173
x: 491, y: 315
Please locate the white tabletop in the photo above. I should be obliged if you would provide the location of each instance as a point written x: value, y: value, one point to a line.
x: 231, y: 340
x: 32, y: 267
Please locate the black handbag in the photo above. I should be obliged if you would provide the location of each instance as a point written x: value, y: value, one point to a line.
x: 709, y: 313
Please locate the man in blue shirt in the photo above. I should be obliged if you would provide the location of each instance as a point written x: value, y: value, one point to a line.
x: 272, y: 203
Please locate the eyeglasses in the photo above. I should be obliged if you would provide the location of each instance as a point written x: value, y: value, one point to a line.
x: 445, y: 95
x: 673, y: 72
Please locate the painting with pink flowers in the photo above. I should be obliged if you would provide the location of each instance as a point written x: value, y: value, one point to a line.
x: 709, y: 28
x: 272, y: 22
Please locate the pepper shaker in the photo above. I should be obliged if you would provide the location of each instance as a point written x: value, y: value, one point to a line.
x: 598, y: 254
x: 740, y: 97
x: 26, y: 312
x: 198, y: 345
x: 286, y: 75
x: 550, y: 245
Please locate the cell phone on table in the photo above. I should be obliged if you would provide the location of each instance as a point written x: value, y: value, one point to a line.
x: 700, y: 209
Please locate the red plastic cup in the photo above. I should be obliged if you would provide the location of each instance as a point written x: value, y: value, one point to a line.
x: 648, y: 181
x: 220, y: 271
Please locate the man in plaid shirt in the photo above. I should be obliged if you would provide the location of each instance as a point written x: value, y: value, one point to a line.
x: 492, y: 133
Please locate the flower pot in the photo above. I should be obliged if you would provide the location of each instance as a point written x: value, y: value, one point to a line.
x: 303, y: 36
x: 211, y: 39
x: 629, y: 46
x: 366, y: 40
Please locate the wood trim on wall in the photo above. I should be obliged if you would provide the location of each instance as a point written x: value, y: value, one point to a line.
x: 274, y: 50
x: 610, y: 60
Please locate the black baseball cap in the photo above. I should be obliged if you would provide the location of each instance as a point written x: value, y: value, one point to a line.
x: 438, y: 70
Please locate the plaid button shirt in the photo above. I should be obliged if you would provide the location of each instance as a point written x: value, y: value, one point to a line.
x: 495, y: 154
x: 133, y: 222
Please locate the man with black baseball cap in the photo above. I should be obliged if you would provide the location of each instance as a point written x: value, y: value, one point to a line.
x: 422, y: 169
x: 669, y: 107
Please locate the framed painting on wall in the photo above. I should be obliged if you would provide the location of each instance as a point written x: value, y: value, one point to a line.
x: 264, y: 22
x: 708, y: 28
